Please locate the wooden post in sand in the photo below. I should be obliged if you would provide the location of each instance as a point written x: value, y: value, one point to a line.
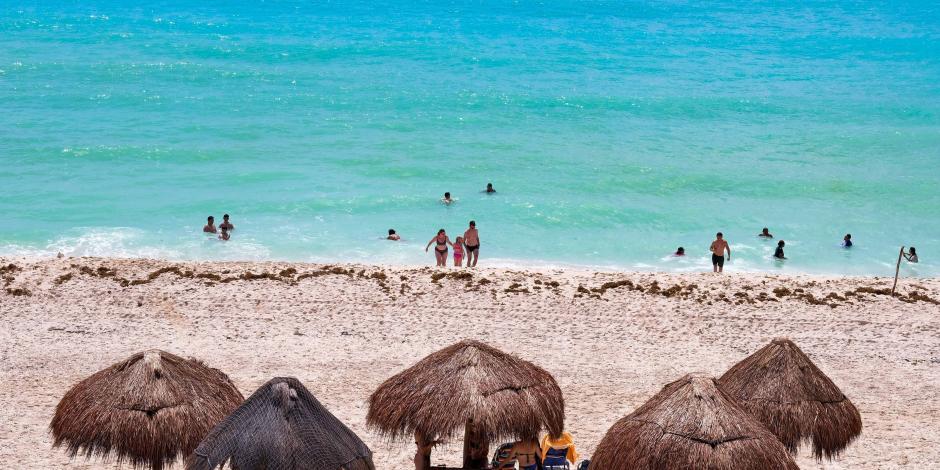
x: 897, y: 270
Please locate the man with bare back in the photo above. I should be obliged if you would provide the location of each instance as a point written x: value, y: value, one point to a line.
x: 471, y: 239
x: 718, y: 253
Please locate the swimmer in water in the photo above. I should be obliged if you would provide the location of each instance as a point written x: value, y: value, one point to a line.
x: 847, y: 241
x: 679, y: 252
x: 778, y: 253
x: 224, y: 236
x: 446, y: 200
x: 489, y: 188
x: 226, y: 224
x: 210, y: 226
x: 392, y: 235
x: 765, y: 233
x: 911, y: 256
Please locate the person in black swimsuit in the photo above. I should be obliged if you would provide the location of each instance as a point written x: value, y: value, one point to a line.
x: 440, y: 251
x: 778, y: 253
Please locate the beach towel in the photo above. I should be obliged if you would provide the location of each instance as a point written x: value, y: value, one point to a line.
x: 564, y: 441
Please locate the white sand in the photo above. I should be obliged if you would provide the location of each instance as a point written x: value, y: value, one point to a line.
x: 343, y: 335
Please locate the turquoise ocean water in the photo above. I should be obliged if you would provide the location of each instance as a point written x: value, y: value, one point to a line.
x: 613, y: 131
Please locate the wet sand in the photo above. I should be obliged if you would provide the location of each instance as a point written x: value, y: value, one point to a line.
x: 610, y: 339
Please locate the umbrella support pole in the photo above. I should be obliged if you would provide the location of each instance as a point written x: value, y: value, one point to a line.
x: 475, y: 448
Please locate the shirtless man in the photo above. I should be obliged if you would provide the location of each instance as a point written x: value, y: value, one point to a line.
x: 210, y: 226
x: 471, y: 239
x: 718, y: 253
x: 226, y: 224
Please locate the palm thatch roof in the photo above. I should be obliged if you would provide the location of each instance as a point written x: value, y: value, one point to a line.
x: 782, y: 388
x: 282, y: 427
x: 504, y: 396
x: 690, y: 423
x: 148, y: 409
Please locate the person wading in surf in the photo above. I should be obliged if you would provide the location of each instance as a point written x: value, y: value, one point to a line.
x: 718, y: 248
x: 471, y: 239
x: 440, y: 251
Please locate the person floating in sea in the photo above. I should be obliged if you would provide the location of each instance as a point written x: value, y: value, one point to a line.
x: 472, y: 242
x: 458, y: 252
x: 911, y: 255
x: 847, y: 241
x: 489, y: 188
x: 210, y: 225
x: 226, y: 224
x: 224, y: 236
x: 718, y: 248
x: 440, y: 251
x: 679, y: 252
x: 446, y: 200
x: 392, y: 235
x: 778, y: 253
x: 765, y: 233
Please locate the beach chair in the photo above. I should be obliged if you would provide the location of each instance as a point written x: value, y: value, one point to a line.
x: 556, y: 459
x: 502, y: 457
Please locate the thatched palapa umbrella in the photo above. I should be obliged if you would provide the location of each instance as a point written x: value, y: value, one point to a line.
x: 782, y: 388
x: 148, y: 409
x: 689, y: 424
x: 469, y: 387
x: 282, y: 426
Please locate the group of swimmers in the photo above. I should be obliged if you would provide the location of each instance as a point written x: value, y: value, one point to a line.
x: 448, y: 200
x: 225, y: 227
x: 468, y: 244
x: 720, y: 246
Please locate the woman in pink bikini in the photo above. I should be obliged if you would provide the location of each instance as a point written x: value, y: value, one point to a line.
x: 440, y: 251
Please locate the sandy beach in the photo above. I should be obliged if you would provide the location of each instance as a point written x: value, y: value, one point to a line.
x: 610, y: 339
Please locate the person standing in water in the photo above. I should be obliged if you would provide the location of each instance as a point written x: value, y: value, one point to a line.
x: 226, y: 224
x: 446, y: 200
x: 718, y: 248
x: 765, y: 233
x: 489, y: 188
x: 440, y: 251
x: 679, y: 252
x: 210, y: 225
x: 458, y: 252
x: 778, y: 253
x: 471, y: 239
x: 392, y: 235
x: 224, y: 236
x: 847, y: 241
x: 911, y: 255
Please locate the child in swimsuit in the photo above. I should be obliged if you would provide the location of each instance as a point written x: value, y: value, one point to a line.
x: 458, y: 252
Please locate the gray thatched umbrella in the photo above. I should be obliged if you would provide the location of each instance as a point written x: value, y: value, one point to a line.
x: 690, y: 423
x: 282, y: 427
x: 148, y: 409
x: 784, y: 390
x: 470, y: 387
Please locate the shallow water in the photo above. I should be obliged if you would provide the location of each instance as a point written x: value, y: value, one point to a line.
x: 614, y: 132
